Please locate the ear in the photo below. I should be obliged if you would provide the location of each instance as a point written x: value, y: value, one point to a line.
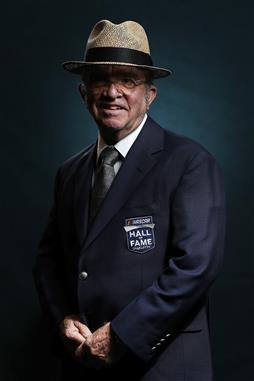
x: 82, y: 91
x: 151, y: 95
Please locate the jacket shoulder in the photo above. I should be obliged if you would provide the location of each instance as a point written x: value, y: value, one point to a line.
x: 185, y: 148
x: 176, y: 142
x: 181, y: 149
x: 71, y: 164
x: 181, y: 142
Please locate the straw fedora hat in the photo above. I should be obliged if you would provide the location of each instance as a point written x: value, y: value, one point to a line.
x: 117, y: 44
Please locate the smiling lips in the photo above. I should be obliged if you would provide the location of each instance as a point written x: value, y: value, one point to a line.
x: 111, y: 107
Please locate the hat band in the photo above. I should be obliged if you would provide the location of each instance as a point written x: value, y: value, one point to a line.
x: 124, y: 55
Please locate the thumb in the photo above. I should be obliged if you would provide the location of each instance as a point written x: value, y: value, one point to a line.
x: 74, y: 335
x: 82, y: 349
x: 83, y: 329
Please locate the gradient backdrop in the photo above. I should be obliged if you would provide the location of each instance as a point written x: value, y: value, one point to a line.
x: 209, y: 47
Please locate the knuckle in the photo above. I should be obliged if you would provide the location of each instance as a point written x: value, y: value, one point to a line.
x: 93, y: 351
x: 68, y: 333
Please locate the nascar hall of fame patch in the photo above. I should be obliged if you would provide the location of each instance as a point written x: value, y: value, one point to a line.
x: 140, y: 234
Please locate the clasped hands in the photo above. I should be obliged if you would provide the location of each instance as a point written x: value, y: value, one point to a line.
x: 95, y: 349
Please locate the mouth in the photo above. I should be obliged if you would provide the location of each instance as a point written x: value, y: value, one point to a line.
x: 111, y: 107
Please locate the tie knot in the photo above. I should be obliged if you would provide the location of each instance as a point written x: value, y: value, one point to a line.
x: 109, y: 155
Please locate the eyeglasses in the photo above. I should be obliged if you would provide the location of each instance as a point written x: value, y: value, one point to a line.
x: 123, y: 84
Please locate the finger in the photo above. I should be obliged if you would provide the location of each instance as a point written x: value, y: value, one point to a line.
x: 83, y: 329
x: 74, y: 335
x: 89, y: 340
x: 79, y: 352
x: 82, y: 350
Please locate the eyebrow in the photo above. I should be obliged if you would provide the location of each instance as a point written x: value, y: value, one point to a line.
x: 129, y: 72
x: 105, y: 72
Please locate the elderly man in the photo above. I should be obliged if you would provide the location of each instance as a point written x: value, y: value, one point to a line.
x: 135, y: 236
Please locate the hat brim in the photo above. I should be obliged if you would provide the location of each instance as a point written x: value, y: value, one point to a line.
x: 79, y: 67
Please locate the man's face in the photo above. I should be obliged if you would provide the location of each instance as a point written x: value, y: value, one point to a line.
x: 117, y: 98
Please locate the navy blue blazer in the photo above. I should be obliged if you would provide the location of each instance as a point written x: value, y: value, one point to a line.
x: 147, y: 261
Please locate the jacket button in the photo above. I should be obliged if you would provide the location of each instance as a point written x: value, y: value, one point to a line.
x: 83, y: 275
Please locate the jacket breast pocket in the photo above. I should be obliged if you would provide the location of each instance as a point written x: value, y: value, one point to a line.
x: 138, y: 225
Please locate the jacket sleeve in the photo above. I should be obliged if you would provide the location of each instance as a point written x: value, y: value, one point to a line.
x: 48, y: 271
x: 195, y: 258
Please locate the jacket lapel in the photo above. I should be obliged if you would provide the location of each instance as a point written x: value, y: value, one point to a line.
x: 83, y: 180
x: 142, y: 156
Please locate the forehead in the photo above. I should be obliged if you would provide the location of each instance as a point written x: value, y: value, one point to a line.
x: 116, y: 70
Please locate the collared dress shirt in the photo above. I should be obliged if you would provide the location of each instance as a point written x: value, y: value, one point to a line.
x: 123, y: 146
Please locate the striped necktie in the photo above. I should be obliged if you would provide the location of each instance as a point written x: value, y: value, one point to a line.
x: 104, y: 176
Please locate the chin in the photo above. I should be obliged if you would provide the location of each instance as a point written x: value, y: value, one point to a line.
x: 112, y: 124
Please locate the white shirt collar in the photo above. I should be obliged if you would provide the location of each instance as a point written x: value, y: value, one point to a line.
x: 124, y: 145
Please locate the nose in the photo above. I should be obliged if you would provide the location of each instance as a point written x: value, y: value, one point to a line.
x: 111, y: 90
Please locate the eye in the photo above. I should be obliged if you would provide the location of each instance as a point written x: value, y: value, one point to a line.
x: 128, y: 82
x: 97, y: 79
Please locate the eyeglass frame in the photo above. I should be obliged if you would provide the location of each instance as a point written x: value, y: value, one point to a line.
x: 105, y: 83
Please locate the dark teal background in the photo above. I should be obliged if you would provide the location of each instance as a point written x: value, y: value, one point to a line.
x: 209, y: 47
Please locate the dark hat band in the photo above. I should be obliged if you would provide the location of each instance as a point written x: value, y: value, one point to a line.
x: 125, y: 55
